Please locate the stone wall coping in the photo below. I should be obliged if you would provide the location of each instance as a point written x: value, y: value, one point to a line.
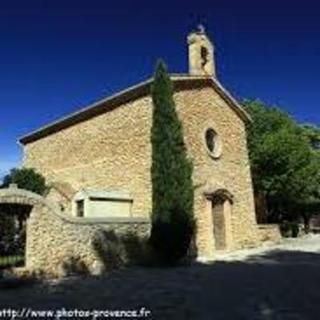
x: 87, y: 193
x: 54, y: 209
x: 12, y: 191
x: 22, y: 193
x: 107, y: 220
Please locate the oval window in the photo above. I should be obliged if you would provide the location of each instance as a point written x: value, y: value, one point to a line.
x: 210, y: 139
x: 212, y: 143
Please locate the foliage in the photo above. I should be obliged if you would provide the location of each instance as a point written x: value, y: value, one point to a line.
x: 172, y: 189
x: 13, y: 228
x: 284, y: 160
x: 116, y: 250
x: 11, y: 261
x: 7, y: 233
x: 13, y: 216
x: 295, y: 230
x: 74, y: 265
x: 312, y: 133
x: 289, y: 229
x: 26, y: 178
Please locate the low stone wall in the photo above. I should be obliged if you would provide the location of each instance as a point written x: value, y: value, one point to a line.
x: 268, y: 232
x: 57, y: 244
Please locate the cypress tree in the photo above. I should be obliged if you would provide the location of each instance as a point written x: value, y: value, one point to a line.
x: 171, y: 172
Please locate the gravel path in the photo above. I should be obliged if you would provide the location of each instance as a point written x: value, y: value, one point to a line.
x: 273, y: 282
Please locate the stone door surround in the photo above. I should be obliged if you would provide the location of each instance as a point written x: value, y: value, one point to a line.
x: 219, y: 207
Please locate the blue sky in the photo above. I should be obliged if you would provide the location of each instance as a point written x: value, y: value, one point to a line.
x: 57, y: 56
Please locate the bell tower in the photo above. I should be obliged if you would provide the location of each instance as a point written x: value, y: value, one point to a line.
x: 201, y: 54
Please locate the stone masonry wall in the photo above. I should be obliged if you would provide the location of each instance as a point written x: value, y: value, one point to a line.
x: 56, y: 246
x: 269, y: 232
x: 200, y: 109
x: 109, y: 152
x: 113, y: 151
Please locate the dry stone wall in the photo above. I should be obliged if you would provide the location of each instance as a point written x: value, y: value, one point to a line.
x: 269, y: 232
x: 57, y: 245
x: 112, y: 151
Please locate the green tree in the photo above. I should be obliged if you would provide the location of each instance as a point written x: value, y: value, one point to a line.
x: 13, y: 236
x: 171, y: 172
x: 312, y: 133
x: 26, y: 178
x: 284, y: 160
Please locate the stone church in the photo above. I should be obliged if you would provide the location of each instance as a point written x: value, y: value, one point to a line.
x: 98, y: 160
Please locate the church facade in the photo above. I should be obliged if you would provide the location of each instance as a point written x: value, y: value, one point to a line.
x: 98, y: 160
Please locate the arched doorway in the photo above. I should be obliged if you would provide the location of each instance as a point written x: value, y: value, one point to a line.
x: 13, y: 226
x: 220, y: 204
x: 15, y: 208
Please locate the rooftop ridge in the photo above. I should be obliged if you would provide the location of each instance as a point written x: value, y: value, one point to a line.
x: 116, y: 99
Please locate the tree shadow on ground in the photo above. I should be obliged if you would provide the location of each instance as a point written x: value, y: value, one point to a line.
x: 275, y: 285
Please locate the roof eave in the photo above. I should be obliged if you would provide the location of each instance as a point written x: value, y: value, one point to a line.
x: 82, y: 114
x: 242, y: 113
x: 114, y: 100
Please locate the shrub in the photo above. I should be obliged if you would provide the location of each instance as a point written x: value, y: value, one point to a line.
x: 289, y: 229
x: 74, y: 265
x: 294, y: 229
x: 109, y: 249
x: 26, y: 178
x: 285, y: 229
